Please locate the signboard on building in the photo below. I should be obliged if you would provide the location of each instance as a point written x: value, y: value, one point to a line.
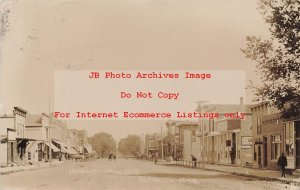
x: 11, y: 135
x: 228, y: 143
x: 246, y: 142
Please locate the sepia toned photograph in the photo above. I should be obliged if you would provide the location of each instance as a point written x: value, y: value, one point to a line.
x: 150, y: 94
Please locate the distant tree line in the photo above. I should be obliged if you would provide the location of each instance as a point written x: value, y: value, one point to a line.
x: 278, y: 58
x: 131, y: 145
x: 103, y: 143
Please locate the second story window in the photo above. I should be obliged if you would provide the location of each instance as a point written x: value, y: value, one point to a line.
x: 259, y: 125
x: 193, y: 134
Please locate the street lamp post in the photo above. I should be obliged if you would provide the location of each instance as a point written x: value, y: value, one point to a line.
x: 200, y: 109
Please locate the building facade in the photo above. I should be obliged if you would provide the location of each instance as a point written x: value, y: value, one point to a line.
x: 13, y: 140
x: 268, y: 136
x: 291, y: 142
x: 38, y: 128
x: 227, y: 138
x: 182, y: 140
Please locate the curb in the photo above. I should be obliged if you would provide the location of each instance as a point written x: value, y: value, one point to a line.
x: 19, y: 170
x: 285, y: 181
x: 32, y: 167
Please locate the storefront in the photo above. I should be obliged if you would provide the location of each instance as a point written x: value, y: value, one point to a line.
x: 292, y: 143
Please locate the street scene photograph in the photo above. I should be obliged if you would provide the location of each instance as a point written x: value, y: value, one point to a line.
x: 150, y: 94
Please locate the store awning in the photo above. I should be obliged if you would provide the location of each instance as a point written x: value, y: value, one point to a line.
x: 28, y: 139
x: 88, y: 149
x: 65, y: 148
x: 78, y: 149
x: 60, y: 143
x: 72, y: 151
x: 3, y: 139
x: 53, y: 147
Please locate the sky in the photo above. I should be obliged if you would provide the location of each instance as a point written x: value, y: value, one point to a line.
x: 73, y: 35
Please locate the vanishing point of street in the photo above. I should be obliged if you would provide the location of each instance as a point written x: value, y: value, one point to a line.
x: 129, y: 174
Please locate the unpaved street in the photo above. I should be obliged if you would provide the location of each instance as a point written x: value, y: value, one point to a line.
x: 129, y: 174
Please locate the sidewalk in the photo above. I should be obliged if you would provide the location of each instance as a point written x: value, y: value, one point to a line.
x: 19, y: 168
x: 262, y: 174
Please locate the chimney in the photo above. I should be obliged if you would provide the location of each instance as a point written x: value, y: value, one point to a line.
x: 241, y: 101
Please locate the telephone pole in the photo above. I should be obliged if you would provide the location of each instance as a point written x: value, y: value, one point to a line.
x: 200, y: 109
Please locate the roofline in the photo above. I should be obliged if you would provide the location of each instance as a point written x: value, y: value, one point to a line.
x: 260, y: 104
x: 34, y: 125
x: 18, y: 108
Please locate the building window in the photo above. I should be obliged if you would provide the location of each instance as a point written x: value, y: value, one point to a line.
x: 29, y: 155
x: 23, y: 131
x: 18, y: 130
x: 258, y: 125
x: 181, y: 135
x: 275, y: 149
x: 289, y: 139
x: 193, y: 135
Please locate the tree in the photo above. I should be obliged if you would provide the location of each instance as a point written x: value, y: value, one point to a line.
x: 103, y: 142
x: 131, y: 145
x: 278, y: 57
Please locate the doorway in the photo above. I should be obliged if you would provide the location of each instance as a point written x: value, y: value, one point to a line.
x: 233, y: 149
x: 12, y: 152
x: 259, y: 156
x: 265, y: 147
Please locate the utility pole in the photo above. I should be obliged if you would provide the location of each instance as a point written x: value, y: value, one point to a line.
x: 162, y: 143
x: 49, y: 127
x: 49, y: 140
x: 200, y: 109
x: 191, y: 135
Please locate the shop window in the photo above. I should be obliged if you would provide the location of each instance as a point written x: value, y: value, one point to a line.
x: 18, y: 130
x: 275, y: 149
x: 193, y: 135
x: 289, y: 139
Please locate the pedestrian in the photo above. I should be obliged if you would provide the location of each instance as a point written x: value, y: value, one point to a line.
x: 282, y: 163
x: 155, y: 157
x: 60, y: 156
x: 194, y: 160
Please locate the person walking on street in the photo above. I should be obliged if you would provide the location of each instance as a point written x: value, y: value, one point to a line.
x: 282, y: 163
x: 194, y: 160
